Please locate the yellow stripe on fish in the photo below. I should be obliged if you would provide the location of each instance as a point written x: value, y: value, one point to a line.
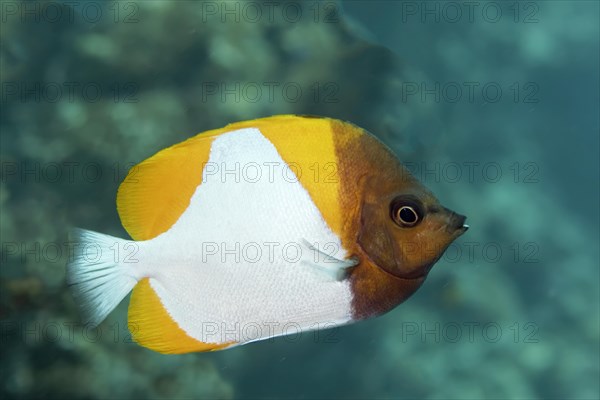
x: 260, y: 229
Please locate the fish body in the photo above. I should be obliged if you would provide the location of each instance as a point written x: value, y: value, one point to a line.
x: 263, y: 228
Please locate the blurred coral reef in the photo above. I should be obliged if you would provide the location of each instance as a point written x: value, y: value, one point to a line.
x: 160, y: 76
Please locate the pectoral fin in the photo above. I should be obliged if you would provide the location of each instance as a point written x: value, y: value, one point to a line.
x: 325, y: 264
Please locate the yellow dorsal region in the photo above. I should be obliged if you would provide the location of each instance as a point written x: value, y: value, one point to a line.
x: 151, y: 325
x: 158, y: 190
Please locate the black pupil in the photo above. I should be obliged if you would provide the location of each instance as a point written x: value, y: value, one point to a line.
x: 408, y: 215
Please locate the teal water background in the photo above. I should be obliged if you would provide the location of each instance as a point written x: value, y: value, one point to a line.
x: 493, y: 105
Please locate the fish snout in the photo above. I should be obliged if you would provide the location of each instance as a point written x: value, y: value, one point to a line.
x: 456, y: 222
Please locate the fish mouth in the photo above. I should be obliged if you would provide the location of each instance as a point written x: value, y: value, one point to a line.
x: 456, y: 224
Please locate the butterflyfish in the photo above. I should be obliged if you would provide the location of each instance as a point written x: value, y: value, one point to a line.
x: 263, y: 228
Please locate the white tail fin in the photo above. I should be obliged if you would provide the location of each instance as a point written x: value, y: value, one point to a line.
x: 101, y: 273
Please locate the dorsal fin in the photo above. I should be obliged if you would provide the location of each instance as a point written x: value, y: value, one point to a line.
x: 158, y: 190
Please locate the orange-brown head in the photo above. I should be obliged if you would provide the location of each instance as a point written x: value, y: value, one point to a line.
x: 400, y: 228
x: 404, y: 229
x: 394, y: 226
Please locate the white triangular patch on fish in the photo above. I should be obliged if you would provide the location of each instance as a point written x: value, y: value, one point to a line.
x: 234, y: 267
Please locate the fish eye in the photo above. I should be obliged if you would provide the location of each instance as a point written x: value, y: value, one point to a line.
x: 406, y: 212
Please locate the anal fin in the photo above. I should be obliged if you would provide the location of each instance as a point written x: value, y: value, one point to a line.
x: 151, y: 325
